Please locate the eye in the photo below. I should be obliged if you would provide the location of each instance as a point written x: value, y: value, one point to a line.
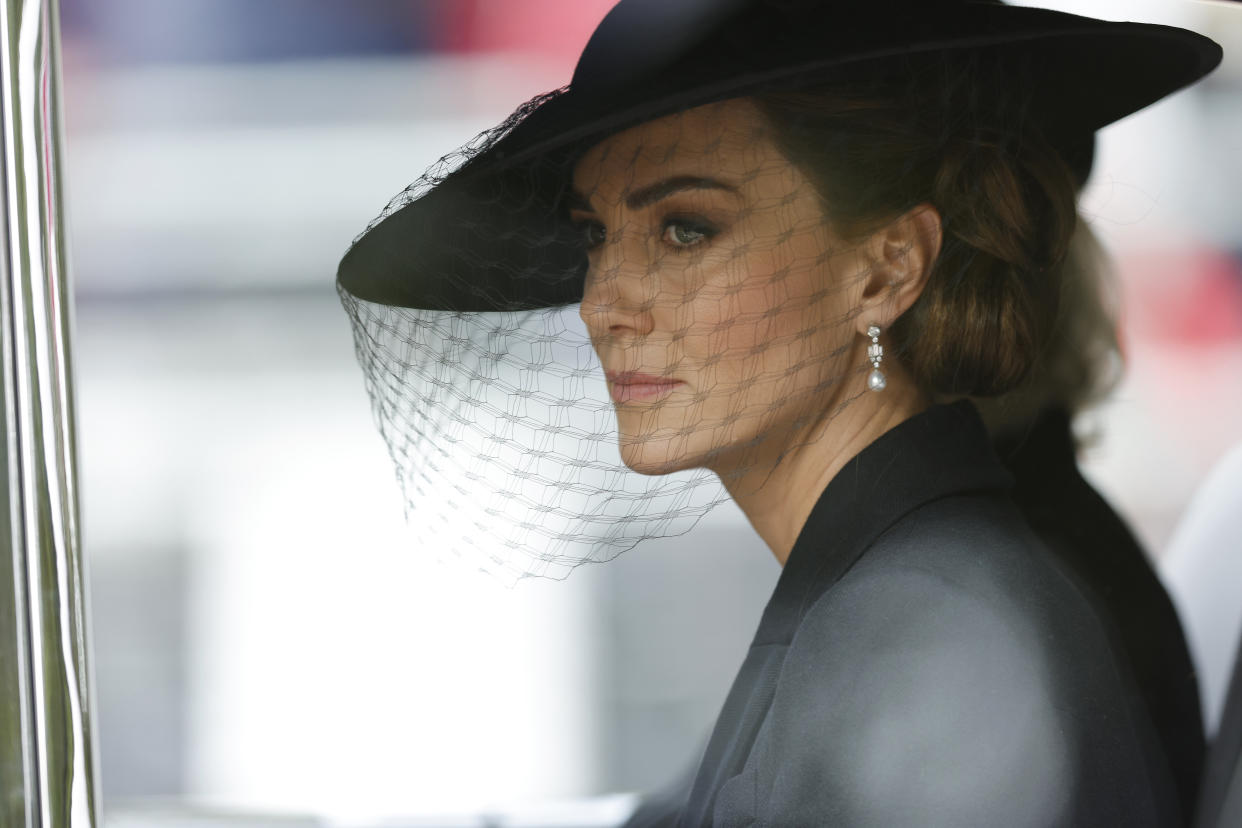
x: 593, y: 233
x: 687, y: 232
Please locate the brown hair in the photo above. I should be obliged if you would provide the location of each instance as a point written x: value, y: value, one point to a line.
x: 1082, y: 362
x: 955, y: 132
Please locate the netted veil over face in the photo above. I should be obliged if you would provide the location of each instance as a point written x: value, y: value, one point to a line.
x: 657, y: 283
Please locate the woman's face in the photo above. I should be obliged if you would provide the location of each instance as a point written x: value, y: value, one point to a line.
x: 719, y: 302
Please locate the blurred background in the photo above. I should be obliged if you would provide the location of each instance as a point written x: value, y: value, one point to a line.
x: 271, y: 642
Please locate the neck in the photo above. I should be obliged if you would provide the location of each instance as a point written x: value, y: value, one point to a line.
x: 777, y: 493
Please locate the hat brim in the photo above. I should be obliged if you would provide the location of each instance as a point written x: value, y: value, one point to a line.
x: 457, y: 246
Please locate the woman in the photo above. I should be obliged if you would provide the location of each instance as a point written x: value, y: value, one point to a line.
x: 797, y: 232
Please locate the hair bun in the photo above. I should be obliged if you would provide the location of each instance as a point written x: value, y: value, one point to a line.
x: 986, y: 313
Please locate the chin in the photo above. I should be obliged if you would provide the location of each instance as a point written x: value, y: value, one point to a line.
x: 654, y: 456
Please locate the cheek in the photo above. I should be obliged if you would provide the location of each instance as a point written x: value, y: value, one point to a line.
x: 816, y: 299
x: 770, y: 311
x: 719, y: 330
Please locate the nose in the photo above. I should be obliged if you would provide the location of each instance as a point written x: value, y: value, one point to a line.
x: 618, y: 296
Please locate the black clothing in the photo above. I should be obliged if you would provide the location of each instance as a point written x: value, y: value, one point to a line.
x: 1084, y: 532
x: 925, y: 660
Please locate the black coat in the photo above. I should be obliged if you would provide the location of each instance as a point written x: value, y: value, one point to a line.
x: 925, y: 659
x: 1086, y: 534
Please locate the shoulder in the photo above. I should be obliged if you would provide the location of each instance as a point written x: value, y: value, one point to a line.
x: 949, y: 670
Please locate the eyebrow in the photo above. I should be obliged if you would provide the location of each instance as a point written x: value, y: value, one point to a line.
x: 652, y: 193
x: 646, y: 196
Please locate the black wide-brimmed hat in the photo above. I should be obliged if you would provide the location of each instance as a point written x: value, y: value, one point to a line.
x: 482, y: 235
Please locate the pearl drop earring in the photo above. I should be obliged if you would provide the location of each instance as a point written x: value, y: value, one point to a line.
x: 875, y: 352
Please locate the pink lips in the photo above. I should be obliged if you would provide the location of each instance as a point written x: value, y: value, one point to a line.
x: 626, y: 386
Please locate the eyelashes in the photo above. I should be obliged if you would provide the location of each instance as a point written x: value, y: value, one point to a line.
x: 688, y: 231
x: 679, y: 232
x: 592, y: 233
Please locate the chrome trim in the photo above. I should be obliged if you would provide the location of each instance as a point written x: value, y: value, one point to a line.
x: 47, y: 744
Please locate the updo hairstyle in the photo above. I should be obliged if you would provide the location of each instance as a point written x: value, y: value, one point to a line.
x: 954, y: 131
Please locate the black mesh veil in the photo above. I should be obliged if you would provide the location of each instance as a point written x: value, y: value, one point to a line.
x: 500, y: 422
x: 505, y: 444
x: 597, y: 321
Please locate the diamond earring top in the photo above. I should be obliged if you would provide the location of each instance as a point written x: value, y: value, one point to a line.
x: 875, y: 352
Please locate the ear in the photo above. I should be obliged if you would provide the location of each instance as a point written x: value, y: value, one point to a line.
x: 902, y: 254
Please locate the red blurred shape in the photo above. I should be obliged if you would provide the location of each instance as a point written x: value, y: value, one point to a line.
x: 553, y: 28
x: 1193, y: 297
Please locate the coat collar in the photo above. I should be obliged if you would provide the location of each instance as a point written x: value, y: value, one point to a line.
x: 942, y: 451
